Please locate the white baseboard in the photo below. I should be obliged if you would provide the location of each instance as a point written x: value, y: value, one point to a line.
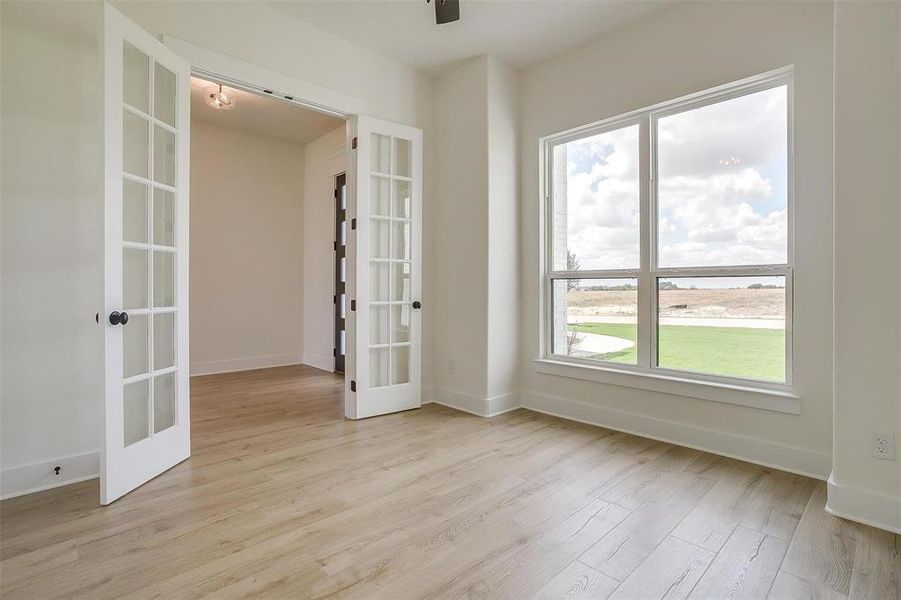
x: 863, y: 506
x: 763, y: 452
x: 35, y: 477
x: 320, y: 361
x: 482, y: 407
x: 245, y: 364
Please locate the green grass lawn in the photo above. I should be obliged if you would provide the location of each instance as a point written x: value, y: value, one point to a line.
x: 730, y: 351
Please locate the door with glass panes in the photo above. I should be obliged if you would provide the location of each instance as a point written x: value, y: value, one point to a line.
x: 146, y: 127
x: 386, y: 275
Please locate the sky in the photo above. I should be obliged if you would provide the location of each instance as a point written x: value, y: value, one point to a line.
x: 722, y: 181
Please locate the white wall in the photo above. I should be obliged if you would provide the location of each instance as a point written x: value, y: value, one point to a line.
x: 460, y: 205
x: 682, y: 49
x: 52, y: 268
x: 504, y: 312
x: 324, y: 159
x: 475, y: 236
x: 867, y: 260
x: 247, y: 250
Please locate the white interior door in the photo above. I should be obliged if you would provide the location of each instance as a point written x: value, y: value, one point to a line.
x: 146, y: 127
x: 385, y: 279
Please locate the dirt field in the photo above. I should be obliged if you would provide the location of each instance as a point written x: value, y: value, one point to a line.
x: 737, y: 303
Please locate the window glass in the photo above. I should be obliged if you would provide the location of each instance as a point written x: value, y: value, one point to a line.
x: 596, y: 319
x: 596, y: 202
x: 732, y: 326
x: 722, y: 191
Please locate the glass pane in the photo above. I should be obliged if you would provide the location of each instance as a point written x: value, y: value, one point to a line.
x: 136, y: 143
x: 402, y: 242
x: 343, y: 270
x: 342, y: 306
x: 400, y: 365
x: 163, y: 341
x: 163, y: 156
x: 164, y: 94
x: 595, y: 190
x: 403, y: 199
x: 380, y: 162
x: 163, y: 279
x: 733, y: 326
x: 163, y: 402
x: 342, y: 241
x: 378, y: 324
x: 400, y: 323
x: 379, y: 196
x: 136, y: 411
x: 403, y: 157
x: 341, y: 342
x: 135, y: 346
x: 596, y: 319
x: 378, y: 367
x: 136, y: 77
x: 134, y: 278
x: 400, y: 282
x: 378, y: 281
x: 379, y: 232
x: 722, y: 182
x: 163, y: 217
x: 134, y: 211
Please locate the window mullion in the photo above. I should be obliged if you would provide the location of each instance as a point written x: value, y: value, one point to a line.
x: 645, y: 280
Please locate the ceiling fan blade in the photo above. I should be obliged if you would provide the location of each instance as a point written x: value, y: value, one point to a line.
x: 447, y: 11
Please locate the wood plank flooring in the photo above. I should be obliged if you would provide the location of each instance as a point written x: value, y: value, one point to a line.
x: 283, y: 498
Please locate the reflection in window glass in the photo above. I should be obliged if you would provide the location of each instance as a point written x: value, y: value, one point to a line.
x: 596, y: 319
x: 733, y: 326
x: 596, y: 202
x: 722, y: 188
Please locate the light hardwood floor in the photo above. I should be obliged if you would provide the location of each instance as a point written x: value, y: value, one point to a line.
x: 283, y: 498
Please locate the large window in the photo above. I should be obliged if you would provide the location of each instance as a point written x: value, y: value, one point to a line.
x: 669, y: 238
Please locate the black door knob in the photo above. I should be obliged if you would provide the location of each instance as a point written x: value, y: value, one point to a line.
x: 118, y: 318
x: 417, y: 304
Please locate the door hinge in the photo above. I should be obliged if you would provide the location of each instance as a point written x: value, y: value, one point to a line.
x: 335, y: 299
x: 334, y: 352
x: 353, y: 385
x: 335, y: 246
x: 336, y: 193
x: 353, y: 224
x: 353, y: 143
x: 353, y: 305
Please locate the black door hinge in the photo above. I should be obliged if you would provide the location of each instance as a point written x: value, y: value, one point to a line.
x: 353, y: 224
x: 353, y: 143
x: 353, y: 305
x: 335, y: 246
x: 334, y: 352
x: 353, y: 385
x: 335, y: 299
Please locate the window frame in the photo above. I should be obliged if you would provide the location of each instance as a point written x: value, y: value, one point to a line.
x: 648, y: 272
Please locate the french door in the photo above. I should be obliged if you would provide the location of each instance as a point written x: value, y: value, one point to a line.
x: 146, y: 127
x: 386, y: 275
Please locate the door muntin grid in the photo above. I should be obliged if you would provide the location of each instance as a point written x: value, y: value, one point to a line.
x: 149, y: 247
x: 390, y: 260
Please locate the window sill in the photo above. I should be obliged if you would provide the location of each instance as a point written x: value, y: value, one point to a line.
x: 766, y: 399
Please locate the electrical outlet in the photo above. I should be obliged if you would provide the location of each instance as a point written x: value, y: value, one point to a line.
x: 882, y: 445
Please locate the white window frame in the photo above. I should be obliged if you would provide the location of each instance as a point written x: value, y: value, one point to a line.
x: 645, y: 374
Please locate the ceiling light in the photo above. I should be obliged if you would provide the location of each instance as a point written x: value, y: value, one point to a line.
x: 216, y: 98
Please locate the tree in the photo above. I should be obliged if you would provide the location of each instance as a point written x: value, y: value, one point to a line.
x: 572, y: 264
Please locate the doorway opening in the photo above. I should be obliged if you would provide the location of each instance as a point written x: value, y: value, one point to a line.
x: 265, y: 243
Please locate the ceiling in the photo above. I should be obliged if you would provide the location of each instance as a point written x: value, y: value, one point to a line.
x: 264, y: 116
x: 519, y: 31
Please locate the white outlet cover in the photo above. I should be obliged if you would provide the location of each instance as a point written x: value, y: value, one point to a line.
x: 882, y: 445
